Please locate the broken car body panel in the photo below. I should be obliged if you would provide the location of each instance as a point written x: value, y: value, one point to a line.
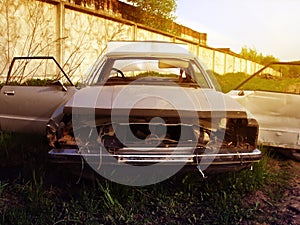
x: 276, y: 112
x: 278, y: 117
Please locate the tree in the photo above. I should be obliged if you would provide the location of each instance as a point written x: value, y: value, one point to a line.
x: 155, y: 13
x: 286, y: 70
x: 253, y: 55
x: 164, y: 9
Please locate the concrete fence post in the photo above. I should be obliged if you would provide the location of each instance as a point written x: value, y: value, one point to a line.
x: 60, y: 24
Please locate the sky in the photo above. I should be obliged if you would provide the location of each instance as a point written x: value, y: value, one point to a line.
x: 271, y: 27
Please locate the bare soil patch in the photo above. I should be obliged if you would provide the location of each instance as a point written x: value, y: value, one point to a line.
x: 279, y: 202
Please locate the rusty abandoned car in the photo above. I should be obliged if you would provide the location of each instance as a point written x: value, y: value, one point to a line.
x: 142, y: 103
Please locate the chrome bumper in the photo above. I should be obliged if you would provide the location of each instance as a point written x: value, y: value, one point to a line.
x: 138, y: 157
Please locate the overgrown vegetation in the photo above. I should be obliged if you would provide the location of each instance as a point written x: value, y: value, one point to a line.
x: 39, y: 193
x: 32, y: 191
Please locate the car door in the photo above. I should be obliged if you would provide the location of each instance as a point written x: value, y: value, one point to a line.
x: 273, y: 99
x: 28, y: 108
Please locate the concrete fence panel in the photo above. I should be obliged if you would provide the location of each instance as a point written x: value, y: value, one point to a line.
x: 76, y: 36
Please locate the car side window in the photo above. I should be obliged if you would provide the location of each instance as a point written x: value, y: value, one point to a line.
x: 200, y: 77
x: 35, y: 71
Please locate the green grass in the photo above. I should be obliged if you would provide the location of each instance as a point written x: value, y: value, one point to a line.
x: 230, y: 81
x: 34, y: 197
x: 6, y: 142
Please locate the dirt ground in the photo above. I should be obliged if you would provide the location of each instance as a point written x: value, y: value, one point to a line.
x: 278, y: 204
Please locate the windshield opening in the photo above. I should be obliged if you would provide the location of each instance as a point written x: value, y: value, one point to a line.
x: 149, y: 70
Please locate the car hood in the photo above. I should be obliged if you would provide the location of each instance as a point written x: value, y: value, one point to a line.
x: 146, y: 99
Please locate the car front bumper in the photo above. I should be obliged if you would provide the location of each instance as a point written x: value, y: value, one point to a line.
x: 214, y: 161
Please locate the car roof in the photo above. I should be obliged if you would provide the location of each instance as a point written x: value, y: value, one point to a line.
x: 146, y: 48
